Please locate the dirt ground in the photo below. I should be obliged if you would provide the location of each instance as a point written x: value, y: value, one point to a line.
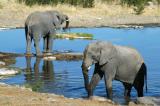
x: 19, y: 96
x: 10, y: 95
x: 13, y: 14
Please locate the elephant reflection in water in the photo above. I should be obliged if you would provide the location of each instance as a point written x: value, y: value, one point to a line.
x: 34, y: 74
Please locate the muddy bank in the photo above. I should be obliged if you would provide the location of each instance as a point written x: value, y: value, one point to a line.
x: 20, y: 96
x: 9, y: 58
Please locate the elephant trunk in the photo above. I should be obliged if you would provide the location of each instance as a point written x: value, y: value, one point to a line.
x: 86, y: 77
x: 67, y: 23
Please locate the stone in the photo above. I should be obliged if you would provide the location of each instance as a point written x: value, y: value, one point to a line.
x: 2, y: 63
x: 8, y: 71
x: 49, y: 58
x: 153, y: 101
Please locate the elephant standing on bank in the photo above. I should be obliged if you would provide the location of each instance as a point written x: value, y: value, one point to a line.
x: 43, y: 24
x: 114, y: 63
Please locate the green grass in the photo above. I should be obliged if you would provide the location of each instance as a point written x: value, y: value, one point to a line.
x: 74, y: 36
x: 84, y: 35
x: 35, y: 86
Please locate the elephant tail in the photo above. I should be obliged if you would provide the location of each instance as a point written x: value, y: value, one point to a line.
x: 145, y: 75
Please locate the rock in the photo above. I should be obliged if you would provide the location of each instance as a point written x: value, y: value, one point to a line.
x: 131, y: 104
x: 152, y: 101
x: 2, y: 63
x: 8, y: 71
x: 51, y: 100
x: 49, y: 58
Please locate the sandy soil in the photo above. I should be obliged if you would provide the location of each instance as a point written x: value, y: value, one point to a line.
x: 17, y: 96
x: 13, y: 14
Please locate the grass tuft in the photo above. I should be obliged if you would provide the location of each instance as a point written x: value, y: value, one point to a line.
x: 74, y: 36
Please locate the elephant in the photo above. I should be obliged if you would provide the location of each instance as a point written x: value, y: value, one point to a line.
x: 114, y: 62
x: 43, y: 24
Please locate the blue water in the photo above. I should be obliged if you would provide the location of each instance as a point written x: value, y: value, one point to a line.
x: 65, y: 77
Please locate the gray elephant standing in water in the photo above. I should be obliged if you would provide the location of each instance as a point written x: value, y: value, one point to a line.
x: 114, y: 63
x: 43, y: 24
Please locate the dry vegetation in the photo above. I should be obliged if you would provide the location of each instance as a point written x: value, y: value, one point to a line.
x: 13, y: 14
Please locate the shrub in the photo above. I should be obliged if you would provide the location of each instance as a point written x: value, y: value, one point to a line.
x: 138, y: 5
x: 1, y: 6
x: 83, y: 3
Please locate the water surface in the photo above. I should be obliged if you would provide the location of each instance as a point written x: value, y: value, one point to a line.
x: 65, y: 77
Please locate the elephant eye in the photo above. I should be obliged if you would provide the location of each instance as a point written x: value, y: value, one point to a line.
x: 94, y: 57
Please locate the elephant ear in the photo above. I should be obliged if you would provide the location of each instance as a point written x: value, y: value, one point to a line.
x: 56, y: 21
x: 58, y: 17
x: 107, y: 52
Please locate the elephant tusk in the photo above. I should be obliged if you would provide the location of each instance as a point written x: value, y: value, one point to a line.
x: 89, y: 67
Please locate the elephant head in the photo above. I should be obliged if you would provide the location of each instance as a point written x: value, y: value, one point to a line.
x: 96, y: 53
x: 58, y: 19
x: 64, y: 18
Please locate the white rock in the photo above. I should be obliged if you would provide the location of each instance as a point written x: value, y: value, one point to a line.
x: 52, y: 100
x: 5, y: 71
x: 2, y: 63
x: 99, y: 98
x: 155, y: 101
x: 49, y: 58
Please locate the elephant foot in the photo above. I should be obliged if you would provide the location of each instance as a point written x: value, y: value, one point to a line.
x: 90, y: 98
x: 28, y: 54
x: 39, y: 55
x: 127, y: 99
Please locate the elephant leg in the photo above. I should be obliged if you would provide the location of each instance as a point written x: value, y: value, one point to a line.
x: 49, y: 43
x: 108, y: 83
x: 109, y: 75
x: 138, y: 84
x: 139, y: 90
x: 97, y: 76
x: 45, y: 44
x: 127, y: 91
x: 29, y: 41
x: 36, y: 45
x: 139, y: 81
x: 28, y: 61
x: 128, y: 88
